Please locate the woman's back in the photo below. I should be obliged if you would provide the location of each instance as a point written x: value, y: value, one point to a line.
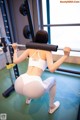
x: 37, y: 62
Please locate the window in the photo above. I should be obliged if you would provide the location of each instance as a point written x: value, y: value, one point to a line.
x: 65, y: 24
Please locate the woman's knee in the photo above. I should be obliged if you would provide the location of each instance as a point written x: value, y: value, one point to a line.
x: 53, y: 79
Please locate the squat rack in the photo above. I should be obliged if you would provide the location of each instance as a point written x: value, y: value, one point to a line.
x: 9, y: 37
x: 8, y: 34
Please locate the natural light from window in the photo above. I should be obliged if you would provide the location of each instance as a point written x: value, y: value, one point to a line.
x: 64, y: 13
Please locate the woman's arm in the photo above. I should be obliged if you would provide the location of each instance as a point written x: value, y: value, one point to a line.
x: 53, y: 66
x: 22, y: 57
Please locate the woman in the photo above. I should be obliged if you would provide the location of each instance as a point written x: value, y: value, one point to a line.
x: 30, y: 83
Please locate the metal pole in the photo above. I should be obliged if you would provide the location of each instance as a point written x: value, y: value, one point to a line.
x: 39, y: 46
x: 9, y: 69
x: 73, y: 49
x: 18, y: 45
x: 68, y: 71
x: 60, y: 25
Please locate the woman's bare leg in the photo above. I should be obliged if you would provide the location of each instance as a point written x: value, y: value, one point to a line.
x: 50, y: 84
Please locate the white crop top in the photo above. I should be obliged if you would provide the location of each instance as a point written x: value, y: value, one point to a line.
x: 40, y: 63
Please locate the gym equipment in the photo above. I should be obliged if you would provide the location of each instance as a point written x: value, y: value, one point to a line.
x: 9, y: 37
x: 4, y: 11
x: 60, y: 25
x: 11, y: 89
x: 44, y: 47
x: 25, y: 10
x: 73, y: 49
x: 8, y: 66
x: 26, y: 32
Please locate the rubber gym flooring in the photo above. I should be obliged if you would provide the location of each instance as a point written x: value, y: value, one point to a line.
x: 68, y: 93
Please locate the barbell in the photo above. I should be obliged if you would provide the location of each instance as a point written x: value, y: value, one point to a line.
x: 47, y: 47
x: 44, y: 47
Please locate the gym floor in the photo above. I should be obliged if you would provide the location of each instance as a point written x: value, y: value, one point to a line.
x: 67, y: 93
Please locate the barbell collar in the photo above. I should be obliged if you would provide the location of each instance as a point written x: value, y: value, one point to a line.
x: 18, y: 45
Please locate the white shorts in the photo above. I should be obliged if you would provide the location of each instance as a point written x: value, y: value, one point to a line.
x: 33, y: 86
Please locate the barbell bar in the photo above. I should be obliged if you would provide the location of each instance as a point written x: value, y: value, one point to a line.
x: 44, y: 47
x: 47, y: 47
x: 60, y: 25
x: 38, y: 46
x: 18, y: 45
x: 73, y: 49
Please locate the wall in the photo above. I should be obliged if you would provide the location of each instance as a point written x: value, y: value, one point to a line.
x: 70, y: 59
x: 19, y: 21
